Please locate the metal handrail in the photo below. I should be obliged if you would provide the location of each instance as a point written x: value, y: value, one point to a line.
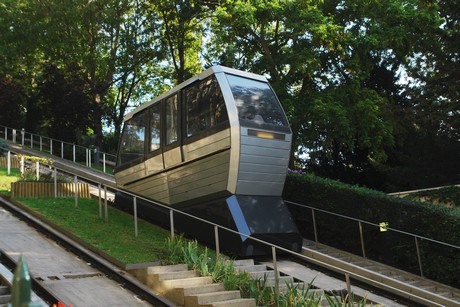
x: 48, y: 145
x: 373, y: 224
x: 346, y: 273
x: 416, y: 237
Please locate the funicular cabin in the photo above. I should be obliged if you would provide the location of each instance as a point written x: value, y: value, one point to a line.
x: 216, y: 146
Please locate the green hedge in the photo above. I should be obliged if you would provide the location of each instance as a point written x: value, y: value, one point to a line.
x: 431, y: 221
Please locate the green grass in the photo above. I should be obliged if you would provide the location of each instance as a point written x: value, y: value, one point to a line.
x: 5, y: 180
x: 116, y: 238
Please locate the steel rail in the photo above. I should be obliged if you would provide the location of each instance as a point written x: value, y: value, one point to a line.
x: 99, y: 262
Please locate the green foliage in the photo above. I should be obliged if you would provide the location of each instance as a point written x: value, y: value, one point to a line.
x: 396, y: 249
x: 448, y: 196
x: 181, y: 250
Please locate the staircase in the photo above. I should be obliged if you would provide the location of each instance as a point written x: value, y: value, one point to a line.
x: 5, y: 294
x: 186, y: 288
x: 267, y: 276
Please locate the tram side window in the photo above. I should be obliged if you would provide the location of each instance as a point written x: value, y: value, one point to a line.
x: 155, y: 124
x: 133, y: 139
x: 205, y: 106
x: 172, y: 125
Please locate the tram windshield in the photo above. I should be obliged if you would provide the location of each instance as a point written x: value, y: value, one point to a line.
x: 256, y: 103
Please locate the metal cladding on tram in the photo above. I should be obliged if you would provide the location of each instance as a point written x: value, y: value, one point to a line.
x: 216, y: 146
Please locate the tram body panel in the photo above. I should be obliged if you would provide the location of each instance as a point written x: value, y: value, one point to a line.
x: 208, y: 145
x: 199, y: 179
x: 172, y: 157
x: 130, y: 174
x: 154, y: 164
x: 234, y: 122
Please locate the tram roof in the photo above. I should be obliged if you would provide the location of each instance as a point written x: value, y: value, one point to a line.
x: 204, y: 74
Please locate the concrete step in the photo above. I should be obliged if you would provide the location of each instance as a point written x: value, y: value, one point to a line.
x: 242, y: 302
x: 167, y: 285
x: 178, y: 295
x: 143, y: 272
x: 251, y: 268
x: 262, y: 274
x: 283, y: 280
x: 4, y: 290
x: 5, y: 299
x: 209, y: 298
x: 175, y: 275
x: 243, y: 262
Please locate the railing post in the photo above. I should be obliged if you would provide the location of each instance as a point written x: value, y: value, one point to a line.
x: 22, y: 166
x: 135, y: 215
x: 347, y: 280
x: 75, y: 185
x: 22, y: 136
x: 9, y: 162
x: 86, y: 150
x: 275, y: 269
x: 51, y: 146
x: 106, y: 211
x: 100, y: 199
x: 216, y: 236
x: 37, y: 170
x: 171, y: 222
x: 55, y: 182
x: 89, y: 158
x: 22, y: 285
x: 362, y: 239
x: 419, y: 257
x: 14, y: 136
x: 62, y: 150
x: 103, y: 162
x: 74, y: 153
x: 314, y: 224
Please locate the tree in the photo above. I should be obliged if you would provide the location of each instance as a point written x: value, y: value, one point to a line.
x: 308, y: 58
x: 108, y: 42
x: 182, y: 31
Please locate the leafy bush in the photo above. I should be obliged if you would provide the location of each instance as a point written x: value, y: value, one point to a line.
x: 448, y: 196
x: 436, y: 222
x: 180, y: 250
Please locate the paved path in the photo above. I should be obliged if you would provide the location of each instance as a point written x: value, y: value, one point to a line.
x: 71, y: 279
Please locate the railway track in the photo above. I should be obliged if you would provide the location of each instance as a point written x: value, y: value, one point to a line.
x: 390, y: 281
x: 99, y: 265
x: 39, y: 295
x: 5, y: 284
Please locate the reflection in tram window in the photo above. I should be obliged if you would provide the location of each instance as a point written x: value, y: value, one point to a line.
x: 155, y: 124
x: 256, y: 102
x: 205, y: 106
x: 133, y: 138
x: 172, y: 125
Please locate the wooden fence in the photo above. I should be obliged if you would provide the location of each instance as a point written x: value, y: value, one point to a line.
x: 15, y: 163
x: 46, y: 189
